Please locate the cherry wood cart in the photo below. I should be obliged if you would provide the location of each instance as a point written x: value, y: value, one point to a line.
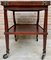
x: 30, y: 29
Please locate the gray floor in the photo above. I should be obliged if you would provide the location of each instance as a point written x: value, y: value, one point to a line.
x: 25, y: 49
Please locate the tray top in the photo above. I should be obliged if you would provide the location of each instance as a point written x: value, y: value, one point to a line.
x: 25, y: 3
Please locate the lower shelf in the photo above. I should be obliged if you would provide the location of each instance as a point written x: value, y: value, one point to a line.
x: 26, y: 29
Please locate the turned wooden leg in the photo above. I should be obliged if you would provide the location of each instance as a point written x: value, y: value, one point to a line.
x: 14, y: 24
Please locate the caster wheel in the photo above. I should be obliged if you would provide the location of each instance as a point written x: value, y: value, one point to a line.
x: 5, y: 56
x: 15, y: 39
x: 36, y: 39
x: 43, y: 56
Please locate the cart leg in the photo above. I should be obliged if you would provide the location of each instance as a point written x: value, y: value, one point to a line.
x: 14, y: 24
x: 44, y: 46
x: 7, y: 46
x: 6, y: 35
x: 15, y: 38
x: 45, y: 36
x: 36, y: 37
x: 45, y: 30
x: 37, y: 24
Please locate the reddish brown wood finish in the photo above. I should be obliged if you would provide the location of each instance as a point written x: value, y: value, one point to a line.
x: 25, y: 5
x: 14, y: 21
x: 6, y: 30
x: 45, y: 28
x: 26, y: 29
x: 37, y: 23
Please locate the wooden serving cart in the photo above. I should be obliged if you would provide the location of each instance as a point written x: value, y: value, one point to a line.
x: 31, y: 29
